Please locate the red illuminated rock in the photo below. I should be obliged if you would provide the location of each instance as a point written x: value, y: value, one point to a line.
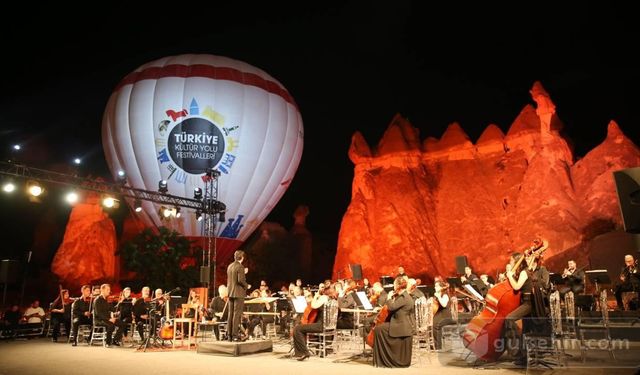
x: 422, y: 208
x: 87, y: 252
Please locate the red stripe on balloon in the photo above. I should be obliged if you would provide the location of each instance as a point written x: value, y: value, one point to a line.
x: 206, y: 71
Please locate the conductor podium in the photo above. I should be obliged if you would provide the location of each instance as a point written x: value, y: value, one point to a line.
x: 235, y: 349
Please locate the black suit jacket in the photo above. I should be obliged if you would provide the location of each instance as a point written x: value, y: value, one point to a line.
x: 402, y: 315
x: 236, y: 282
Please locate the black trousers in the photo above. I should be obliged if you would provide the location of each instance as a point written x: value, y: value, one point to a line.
x: 78, y: 321
x: 441, y: 319
x: 56, y: 319
x: 622, y: 288
x: 300, y: 337
x: 236, y: 306
x: 514, y: 342
x: 110, y: 328
x: 140, y: 327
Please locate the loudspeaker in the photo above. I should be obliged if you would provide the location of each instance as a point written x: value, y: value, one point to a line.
x: 356, y: 272
x: 461, y: 263
x: 205, y: 272
x: 9, y: 270
x: 628, y: 189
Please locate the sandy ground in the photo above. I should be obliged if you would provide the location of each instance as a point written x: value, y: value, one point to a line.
x: 41, y: 356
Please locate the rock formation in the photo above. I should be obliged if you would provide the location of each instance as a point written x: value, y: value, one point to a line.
x: 420, y: 204
x: 87, y: 252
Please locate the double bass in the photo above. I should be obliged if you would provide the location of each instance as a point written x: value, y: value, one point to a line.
x: 484, y: 332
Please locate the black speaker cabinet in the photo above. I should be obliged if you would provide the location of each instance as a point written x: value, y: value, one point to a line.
x: 356, y: 271
x: 461, y: 263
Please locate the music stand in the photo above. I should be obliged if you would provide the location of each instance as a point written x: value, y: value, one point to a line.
x: 454, y: 282
x: 556, y: 279
x: 598, y: 277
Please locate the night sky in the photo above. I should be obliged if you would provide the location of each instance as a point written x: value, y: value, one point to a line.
x: 350, y: 66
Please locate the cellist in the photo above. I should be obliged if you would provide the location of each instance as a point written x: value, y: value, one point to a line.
x: 442, y: 316
x: 301, y: 330
x: 527, y: 277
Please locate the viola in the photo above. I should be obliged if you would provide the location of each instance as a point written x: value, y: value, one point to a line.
x: 484, y: 332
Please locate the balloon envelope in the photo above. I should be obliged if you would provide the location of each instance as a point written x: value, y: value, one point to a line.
x: 174, y: 118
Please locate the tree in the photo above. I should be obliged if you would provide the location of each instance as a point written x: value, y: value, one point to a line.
x: 161, y: 260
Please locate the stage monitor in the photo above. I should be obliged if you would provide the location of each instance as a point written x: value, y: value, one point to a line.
x: 628, y: 189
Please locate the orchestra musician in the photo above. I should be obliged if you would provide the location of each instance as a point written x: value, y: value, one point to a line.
x: 574, y: 279
x: 102, y: 315
x: 301, y: 352
x: 412, y: 288
x: 218, y: 310
x: 141, y: 311
x: 401, y: 272
x: 378, y: 295
x: 472, y: 279
x: 531, y: 280
x: 487, y: 284
x: 392, y: 345
x: 237, y: 285
x: 346, y: 301
x: 80, y: 313
x: 442, y: 316
x: 124, y: 309
x: 61, y: 313
x: 629, y: 281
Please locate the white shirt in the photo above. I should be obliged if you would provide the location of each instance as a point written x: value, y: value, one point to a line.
x: 34, y: 319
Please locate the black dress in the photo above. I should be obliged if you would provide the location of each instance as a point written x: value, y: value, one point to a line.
x: 393, y: 341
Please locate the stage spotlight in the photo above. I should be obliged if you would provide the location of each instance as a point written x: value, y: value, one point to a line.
x: 137, y: 206
x: 109, y: 202
x: 34, y: 189
x: 17, y: 147
x: 8, y: 187
x: 197, y: 193
x: 177, y: 212
x: 165, y: 212
x: 71, y: 197
x: 221, y: 217
x: 77, y: 161
x: 211, y: 172
x: 162, y: 186
x: 121, y: 176
x: 198, y: 215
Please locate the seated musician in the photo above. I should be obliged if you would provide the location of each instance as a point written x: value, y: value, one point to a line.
x: 124, y: 310
x: 378, y: 295
x: 471, y: 279
x: 366, y: 286
x: 10, y: 320
x: 412, y: 288
x: 301, y: 352
x: 392, y: 345
x: 141, y: 311
x: 346, y: 301
x: 194, y: 303
x: 574, y: 279
x: 503, y: 275
x: 531, y: 280
x: 486, y: 282
x: 61, y: 313
x: 218, y: 310
x: 250, y: 322
x: 80, y: 314
x: 442, y: 315
x: 629, y: 280
x: 102, y: 313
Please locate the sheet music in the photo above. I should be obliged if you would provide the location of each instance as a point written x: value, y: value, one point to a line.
x: 364, y: 300
x: 473, y: 292
x: 299, y: 304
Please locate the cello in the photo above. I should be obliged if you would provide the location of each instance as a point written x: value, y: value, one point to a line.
x: 484, y: 332
x: 383, y: 314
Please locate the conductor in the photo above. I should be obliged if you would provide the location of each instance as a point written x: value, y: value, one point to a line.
x: 237, y: 285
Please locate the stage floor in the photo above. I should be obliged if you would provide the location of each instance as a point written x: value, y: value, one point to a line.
x: 41, y: 356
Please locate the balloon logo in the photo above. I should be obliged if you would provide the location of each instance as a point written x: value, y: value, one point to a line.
x: 175, y: 118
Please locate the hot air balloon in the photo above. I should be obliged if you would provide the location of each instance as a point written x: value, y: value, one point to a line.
x: 174, y: 118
